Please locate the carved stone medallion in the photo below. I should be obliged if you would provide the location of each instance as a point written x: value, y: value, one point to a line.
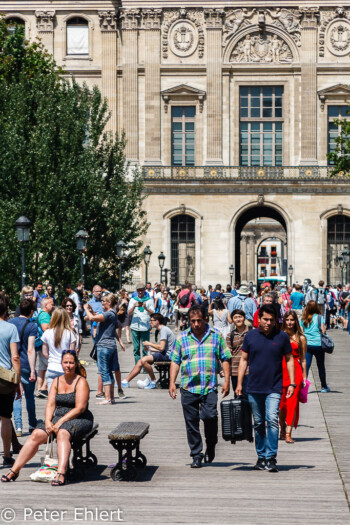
x: 338, y: 37
x: 261, y: 47
x: 183, y: 38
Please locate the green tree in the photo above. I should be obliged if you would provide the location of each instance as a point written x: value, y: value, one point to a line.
x: 340, y: 159
x: 61, y: 169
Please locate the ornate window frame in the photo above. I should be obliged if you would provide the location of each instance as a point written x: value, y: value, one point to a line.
x: 27, y: 25
x: 89, y: 20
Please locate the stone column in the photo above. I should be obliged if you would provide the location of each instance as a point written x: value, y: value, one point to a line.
x: 129, y: 19
x: 108, y: 25
x: 244, y: 253
x: 308, y: 60
x: 44, y: 23
x: 251, y: 257
x: 151, y: 24
x: 214, y: 85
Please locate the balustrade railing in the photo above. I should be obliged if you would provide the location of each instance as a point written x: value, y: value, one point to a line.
x: 237, y: 173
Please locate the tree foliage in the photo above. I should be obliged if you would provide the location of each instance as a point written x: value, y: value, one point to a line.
x: 340, y: 159
x: 63, y: 171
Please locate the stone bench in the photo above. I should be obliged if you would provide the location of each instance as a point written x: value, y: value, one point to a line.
x: 163, y: 367
x: 126, y: 439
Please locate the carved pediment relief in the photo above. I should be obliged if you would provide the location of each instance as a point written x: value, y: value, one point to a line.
x: 338, y: 94
x: 183, y: 93
x: 261, y: 47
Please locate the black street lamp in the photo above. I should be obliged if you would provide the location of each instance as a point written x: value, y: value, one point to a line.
x: 121, y: 247
x: 81, y: 239
x: 161, y: 262
x: 22, y: 226
x: 346, y: 259
x: 290, y: 271
x: 147, y: 258
x: 231, y: 270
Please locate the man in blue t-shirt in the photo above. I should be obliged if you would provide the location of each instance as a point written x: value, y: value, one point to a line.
x: 263, y: 350
x: 297, y: 300
x: 26, y: 347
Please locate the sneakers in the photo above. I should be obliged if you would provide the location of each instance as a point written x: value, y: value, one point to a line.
x: 18, y: 432
x: 42, y: 393
x: 197, y: 461
x: 151, y: 384
x: 121, y: 394
x: 271, y: 465
x: 143, y: 384
x: 125, y: 384
x: 326, y: 389
x: 260, y: 464
x: 7, y: 462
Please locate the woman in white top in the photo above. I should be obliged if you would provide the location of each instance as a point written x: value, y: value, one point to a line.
x: 58, y: 337
x: 75, y: 321
x: 221, y: 317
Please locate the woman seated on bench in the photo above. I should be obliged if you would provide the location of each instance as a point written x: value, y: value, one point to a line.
x: 157, y: 352
x: 67, y: 416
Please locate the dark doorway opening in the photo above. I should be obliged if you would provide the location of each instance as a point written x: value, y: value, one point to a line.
x: 250, y: 214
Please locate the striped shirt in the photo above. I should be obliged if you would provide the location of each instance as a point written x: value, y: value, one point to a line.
x: 199, y: 360
x: 236, y: 348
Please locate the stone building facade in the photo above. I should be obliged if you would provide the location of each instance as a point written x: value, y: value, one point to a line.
x: 228, y: 110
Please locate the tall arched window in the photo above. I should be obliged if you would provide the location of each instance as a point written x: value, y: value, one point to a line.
x: 77, y: 36
x: 338, y: 241
x: 183, y: 248
x: 13, y: 22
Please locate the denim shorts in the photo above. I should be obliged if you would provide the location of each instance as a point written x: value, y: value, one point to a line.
x: 105, y: 362
x: 50, y: 376
x: 159, y: 356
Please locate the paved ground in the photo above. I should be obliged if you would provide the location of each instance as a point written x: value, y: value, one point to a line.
x: 311, y: 487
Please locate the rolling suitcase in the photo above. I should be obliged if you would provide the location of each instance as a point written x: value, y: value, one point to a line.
x: 236, y: 420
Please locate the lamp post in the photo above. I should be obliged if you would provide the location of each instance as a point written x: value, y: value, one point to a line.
x: 341, y: 264
x: 231, y: 270
x: 22, y: 226
x: 346, y: 259
x: 81, y: 239
x: 161, y: 262
x: 121, y: 246
x: 147, y: 258
x: 290, y: 271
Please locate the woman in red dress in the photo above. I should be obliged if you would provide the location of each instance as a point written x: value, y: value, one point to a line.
x: 289, y: 408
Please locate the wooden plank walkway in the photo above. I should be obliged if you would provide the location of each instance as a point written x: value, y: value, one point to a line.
x: 307, y: 490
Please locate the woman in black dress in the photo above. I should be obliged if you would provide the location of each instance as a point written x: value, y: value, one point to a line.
x: 67, y: 416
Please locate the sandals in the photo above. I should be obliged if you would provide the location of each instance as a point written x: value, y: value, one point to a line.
x: 5, y: 477
x: 288, y: 438
x: 106, y: 402
x: 57, y: 482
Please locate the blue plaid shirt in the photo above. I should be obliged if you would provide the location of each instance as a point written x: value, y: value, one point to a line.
x: 199, y: 360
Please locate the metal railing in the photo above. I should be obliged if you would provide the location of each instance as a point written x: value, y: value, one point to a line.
x: 237, y: 173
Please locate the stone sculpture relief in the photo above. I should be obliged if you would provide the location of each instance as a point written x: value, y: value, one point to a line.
x: 261, y: 47
x: 44, y: 20
x: 108, y: 20
x: 338, y: 37
x: 288, y: 20
x: 340, y: 14
x: 183, y: 32
x: 236, y: 19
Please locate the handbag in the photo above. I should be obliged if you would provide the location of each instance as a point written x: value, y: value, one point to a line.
x: 327, y: 343
x: 8, y: 380
x: 304, y: 391
x: 49, y: 464
x: 93, y: 353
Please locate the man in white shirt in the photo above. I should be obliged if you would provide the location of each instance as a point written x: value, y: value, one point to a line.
x: 74, y: 296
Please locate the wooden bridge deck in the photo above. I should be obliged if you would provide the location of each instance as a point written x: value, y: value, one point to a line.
x: 311, y: 487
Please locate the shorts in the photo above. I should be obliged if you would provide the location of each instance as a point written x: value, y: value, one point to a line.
x: 42, y: 361
x: 6, y: 405
x: 159, y: 356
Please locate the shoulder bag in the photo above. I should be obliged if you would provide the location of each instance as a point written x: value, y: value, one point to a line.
x: 9, y: 378
x: 49, y: 464
x: 327, y: 343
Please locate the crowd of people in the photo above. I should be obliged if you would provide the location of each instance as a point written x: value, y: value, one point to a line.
x: 261, y: 342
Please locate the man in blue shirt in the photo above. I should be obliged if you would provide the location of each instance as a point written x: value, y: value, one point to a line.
x: 243, y: 302
x: 217, y: 293
x: 263, y: 350
x: 297, y: 301
x: 96, y: 305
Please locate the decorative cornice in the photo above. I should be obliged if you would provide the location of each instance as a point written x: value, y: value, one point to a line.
x: 213, y: 18
x: 130, y: 18
x: 151, y: 18
x: 108, y: 20
x: 44, y: 20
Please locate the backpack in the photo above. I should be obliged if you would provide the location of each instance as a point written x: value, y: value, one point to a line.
x: 321, y: 296
x: 184, y: 300
x: 38, y: 341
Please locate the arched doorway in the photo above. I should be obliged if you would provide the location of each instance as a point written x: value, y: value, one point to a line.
x: 183, y: 247
x: 267, y: 219
x: 338, y: 246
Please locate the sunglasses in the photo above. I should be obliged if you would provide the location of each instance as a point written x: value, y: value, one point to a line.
x: 69, y: 306
x: 73, y: 352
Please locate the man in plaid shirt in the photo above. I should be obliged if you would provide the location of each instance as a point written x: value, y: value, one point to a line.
x: 197, y: 352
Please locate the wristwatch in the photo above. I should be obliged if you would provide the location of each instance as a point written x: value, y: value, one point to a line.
x: 293, y: 385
